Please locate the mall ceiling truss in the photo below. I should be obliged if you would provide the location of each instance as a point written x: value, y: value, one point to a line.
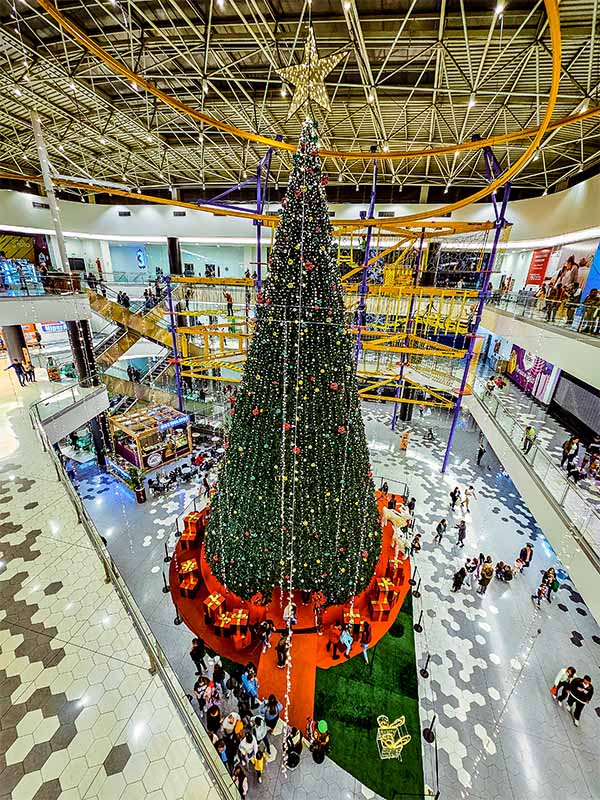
x: 423, y: 74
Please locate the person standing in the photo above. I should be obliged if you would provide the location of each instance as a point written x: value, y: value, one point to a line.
x: 259, y: 762
x: 415, y: 545
x: 529, y: 438
x: 220, y: 677
x: 440, y: 530
x: 469, y: 494
x: 229, y: 300
x: 206, y: 485
x: 480, y: 453
x: 197, y: 654
x: 487, y: 573
x: 480, y: 561
x: 384, y: 488
x: 333, y: 640
x: 29, y: 371
x: 540, y: 594
x: 570, y: 449
x: 272, y: 710
x: 470, y: 568
x: 240, y: 781
x: 366, y: 637
x: 562, y: 683
x: 551, y: 581
x: 462, y: 532
x: 283, y: 648
x: 459, y: 579
x: 526, y: 555
x: 267, y: 626
x: 250, y: 685
x: 581, y: 692
x: 346, y: 640
x: 454, y: 497
x: 411, y: 505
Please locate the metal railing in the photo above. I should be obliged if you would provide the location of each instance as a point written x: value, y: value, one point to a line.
x: 577, y: 317
x: 583, y: 518
x: 45, y: 283
x: 64, y: 398
x: 158, y: 661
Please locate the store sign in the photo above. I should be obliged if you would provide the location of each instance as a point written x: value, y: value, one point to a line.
x: 53, y: 327
x: 154, y: 459
x: 173, y: 423
x: 538, y: 266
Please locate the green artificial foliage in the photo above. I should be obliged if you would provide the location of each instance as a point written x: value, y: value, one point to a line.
x: 295, y: 505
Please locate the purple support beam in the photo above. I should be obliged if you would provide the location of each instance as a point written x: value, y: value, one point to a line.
x: 363, y: 289
x: 409, y: 324
x: 492, y: 170
x: 173, y: 328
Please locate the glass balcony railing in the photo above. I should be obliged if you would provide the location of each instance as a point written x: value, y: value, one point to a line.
x: 570, y: 499
x: 581, y: 318
x: 157, y: 659
x: 48, y: 407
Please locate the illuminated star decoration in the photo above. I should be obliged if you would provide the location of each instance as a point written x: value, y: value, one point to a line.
x: 308, y: 77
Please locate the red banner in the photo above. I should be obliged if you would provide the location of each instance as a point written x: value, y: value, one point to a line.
x: 538, y: 266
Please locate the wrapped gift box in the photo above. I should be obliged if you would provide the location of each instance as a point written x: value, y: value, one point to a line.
x: 189, y: 586
x: 190, y: 539
x: 239, y: 619
x: 395, y: 570
x: 194, y: 523
x: 223, y: 625
x: 214, y: 606
x: 353, y: 619
x: 380, y: 611
x: 187, y: 568
x: 241, y: 640
x: 385, y: 589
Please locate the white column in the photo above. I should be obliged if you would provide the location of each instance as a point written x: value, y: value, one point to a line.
x: 63, y: 261
x: 107, y: 268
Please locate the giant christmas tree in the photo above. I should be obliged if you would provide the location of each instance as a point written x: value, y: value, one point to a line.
x: 295, y: 505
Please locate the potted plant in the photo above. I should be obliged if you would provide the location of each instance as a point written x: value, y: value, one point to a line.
x: 136, y: 481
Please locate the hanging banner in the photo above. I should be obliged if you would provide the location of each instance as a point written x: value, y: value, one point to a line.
x: 593, y: 278
x: 537, y: 268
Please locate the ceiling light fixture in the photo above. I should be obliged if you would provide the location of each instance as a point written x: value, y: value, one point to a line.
x: 370, y: 97
x: 499, y: 10
x: 283, y: 91
x: 347, y: 5
x: 536, y: 156
x: 161, y: 176
x: 149, y: 139
x: 221, y: 3
x: 340, y: 178
x: 472, y: 100
x: 72, y: 86
x: 17, y: 92
x: 139, y: 191
x: 545, y: 192
x: 27, y: 184
x: 400, y: 186
x: 386, y: 147
x: 60, y: 147
x: 357, y: 187
x: 102, y: 140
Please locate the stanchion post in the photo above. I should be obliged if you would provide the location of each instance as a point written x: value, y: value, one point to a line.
x: 424, y: 672
x: 417, y: 627
x: 167, y: 557
x: 416, y: 592
x: 166, y: 588
x: 428, y: 733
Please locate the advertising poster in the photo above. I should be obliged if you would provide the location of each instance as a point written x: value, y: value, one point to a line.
x: 582, y: 252
x: 530, y: 373
x: 538, y: 266
x: 593, y: 281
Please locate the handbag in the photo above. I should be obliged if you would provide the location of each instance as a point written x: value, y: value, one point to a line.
x: 555, y: 585
x: 553, y: 690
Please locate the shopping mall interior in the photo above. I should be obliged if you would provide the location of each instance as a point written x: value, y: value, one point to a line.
x: 299, y: 400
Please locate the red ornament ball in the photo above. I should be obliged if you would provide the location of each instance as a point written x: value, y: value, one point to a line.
x: 255, y: 412
x: 342, y: 429
x: 324, y: 180
x: 286, y: 426
x: 296, y: 450
x: 309, y: 266
x: 333, y: 385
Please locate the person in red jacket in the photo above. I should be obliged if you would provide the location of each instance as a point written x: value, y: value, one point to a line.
x: 366, y: 637
x: 581, y: 692
x: 333, y: 640
x: 229, y: 300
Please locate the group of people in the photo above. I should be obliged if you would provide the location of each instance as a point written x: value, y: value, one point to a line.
x: 340, y: 639
x: 482, y: 570
x: 123, y: 299
x: 150, y: 299
x: 133, y: 373
x: 577, y: 691
x: 24, y: 370
x: 241, y: 735
x: 588, y: 467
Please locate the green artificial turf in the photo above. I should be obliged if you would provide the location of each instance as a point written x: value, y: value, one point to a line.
x: 352, y: 695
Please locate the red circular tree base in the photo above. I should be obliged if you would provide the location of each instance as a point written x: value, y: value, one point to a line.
x: 308, y: 650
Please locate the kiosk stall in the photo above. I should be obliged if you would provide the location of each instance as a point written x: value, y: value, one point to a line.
x: 144, y: 440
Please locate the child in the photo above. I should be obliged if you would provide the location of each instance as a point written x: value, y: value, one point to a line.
x: 541, y: 593
x: 259, y: 762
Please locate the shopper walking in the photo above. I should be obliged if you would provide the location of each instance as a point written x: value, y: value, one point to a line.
x: 551, y: 581
x: 560, y: 689
x: 366, y: 637
x: 487, y: 573
x: 197, y: 654
x: 569, y: 450
x: 529, y: 438
x: 240, y: 781
x: 454, y: 497
x: 581, y: 692
x: 19, y: 372
x: 469, y: 495
x: 459, y: 579
x: 440, y: 530
x: 271, y: 712
x: 462, y: 532
x: 540, y: 594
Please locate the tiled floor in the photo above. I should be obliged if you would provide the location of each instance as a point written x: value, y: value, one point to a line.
x: 493, y: 658
x: 80, y: 715
x: 498, y: 733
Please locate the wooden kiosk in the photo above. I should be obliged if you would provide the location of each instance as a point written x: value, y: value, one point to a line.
x: 147, y: 439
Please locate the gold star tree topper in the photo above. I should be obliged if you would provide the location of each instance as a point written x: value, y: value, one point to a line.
x: 308, y: 77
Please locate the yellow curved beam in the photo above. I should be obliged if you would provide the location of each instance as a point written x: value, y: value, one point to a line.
x: 121, y: 69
